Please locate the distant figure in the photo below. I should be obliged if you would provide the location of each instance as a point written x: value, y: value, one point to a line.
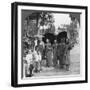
x: 49, y: 54
x: 55, y: 53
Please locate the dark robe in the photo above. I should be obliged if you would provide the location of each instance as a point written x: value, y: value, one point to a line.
x: 55, y: 54
x: 67, y: 55
x: 49, y: 53
x: 60, y: 53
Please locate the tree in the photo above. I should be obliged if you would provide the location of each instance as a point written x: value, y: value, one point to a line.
x: 40, y: 18
x: 73, y: 31
x: 32, y: 23
x: 46, y: 20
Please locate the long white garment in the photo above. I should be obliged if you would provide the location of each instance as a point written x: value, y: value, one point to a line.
x: 35, y: 42
x: 35, y: 56
x: 39, y: 56
x: 42, y: 43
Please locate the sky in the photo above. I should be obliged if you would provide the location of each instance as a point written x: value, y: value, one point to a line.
x: 61, y: 19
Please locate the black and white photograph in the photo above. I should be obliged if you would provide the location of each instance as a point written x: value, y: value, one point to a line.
x: 51, y: 44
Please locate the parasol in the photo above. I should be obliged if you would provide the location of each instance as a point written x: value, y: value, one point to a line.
x: 61, y: 35
x: 49, y: 36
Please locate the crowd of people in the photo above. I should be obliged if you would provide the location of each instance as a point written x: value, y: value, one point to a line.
x: 55, y: 55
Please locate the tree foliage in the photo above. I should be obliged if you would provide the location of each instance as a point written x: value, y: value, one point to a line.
x: 32, y: 23
x: 73, y: 30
